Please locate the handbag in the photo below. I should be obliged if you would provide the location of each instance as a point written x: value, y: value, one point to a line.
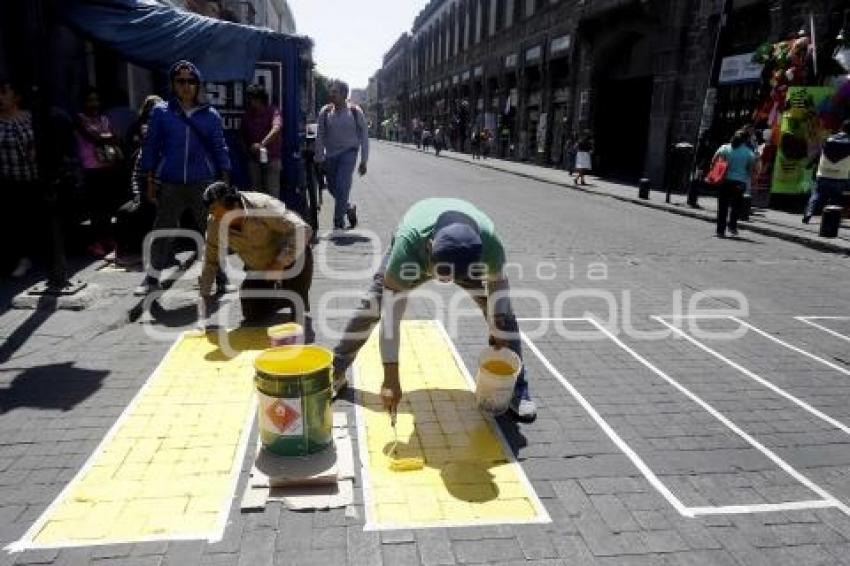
x: 717, y: 173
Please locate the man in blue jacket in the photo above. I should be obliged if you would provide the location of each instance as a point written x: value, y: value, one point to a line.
x: 184, y: 151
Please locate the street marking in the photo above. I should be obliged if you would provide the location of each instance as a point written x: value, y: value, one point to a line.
x: 808, y: 320
x: 470, y: 475
x: 758, y: 379
x: 826, y: 501
x: 168, y: 467
x: 809, y: 355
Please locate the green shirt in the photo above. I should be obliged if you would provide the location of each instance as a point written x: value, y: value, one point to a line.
x: 409, y: 264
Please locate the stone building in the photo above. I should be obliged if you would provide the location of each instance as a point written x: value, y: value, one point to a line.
x: 395, y: 84
x: 633, y: 73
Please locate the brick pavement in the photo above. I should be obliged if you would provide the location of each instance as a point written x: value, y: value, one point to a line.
x: 71, y: 374
x: 769, y: 222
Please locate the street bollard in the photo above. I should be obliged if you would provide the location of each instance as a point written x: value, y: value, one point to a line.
x: 830, y: 221
x: 643, y: 190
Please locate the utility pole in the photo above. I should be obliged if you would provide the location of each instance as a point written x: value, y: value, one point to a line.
x: 710, y: 100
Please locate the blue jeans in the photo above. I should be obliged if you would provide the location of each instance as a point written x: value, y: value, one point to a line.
x: 339, y: 171
x: 831, y: 190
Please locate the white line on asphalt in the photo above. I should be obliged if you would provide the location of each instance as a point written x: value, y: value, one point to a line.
x: 542, y: 515
x: 732, y: 426
x: 612, y: 434
x: 808, y: 320
x: 827, y: 501
x: 776, y: 389
x: 26, y: 541
x: 579, y: 319
x: 762, y: 508
x: 827, y: 363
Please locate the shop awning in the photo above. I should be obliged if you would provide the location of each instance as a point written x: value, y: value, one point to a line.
x: 155, y: 36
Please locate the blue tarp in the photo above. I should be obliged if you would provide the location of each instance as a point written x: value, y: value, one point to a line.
x: 155, y: 36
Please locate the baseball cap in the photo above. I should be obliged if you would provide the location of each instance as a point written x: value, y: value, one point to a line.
x: 456, y: 245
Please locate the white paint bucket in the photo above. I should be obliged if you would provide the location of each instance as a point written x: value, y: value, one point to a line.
x: 495, y: 380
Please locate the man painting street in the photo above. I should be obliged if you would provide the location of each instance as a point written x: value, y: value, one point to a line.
x: 342, y: 131
x: 443, y: 239
x: 270, y: 240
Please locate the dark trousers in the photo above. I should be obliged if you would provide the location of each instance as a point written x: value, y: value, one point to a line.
x: 106, y: 190
x: 22, y: 228
x: 827, y: 192
x: 292, y: 292
x: 730, y: 200
x: 172, y: 202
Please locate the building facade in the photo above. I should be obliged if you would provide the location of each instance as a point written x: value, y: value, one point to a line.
x: 631, y: 73
x: 395, y: 87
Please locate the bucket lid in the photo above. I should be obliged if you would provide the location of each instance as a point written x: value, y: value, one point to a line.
x: 288, y: 329
x: 293, y: 362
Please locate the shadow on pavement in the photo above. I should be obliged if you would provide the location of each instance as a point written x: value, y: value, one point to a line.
x: 54, y: 386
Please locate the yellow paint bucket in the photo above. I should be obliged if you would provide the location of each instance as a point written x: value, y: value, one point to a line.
x: 288, y: 334
x: 294, y: 393
x: 495, y: 380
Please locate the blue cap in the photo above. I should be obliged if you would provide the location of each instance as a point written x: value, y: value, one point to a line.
x: 456, y: 245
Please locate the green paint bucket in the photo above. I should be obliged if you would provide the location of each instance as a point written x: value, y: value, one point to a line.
x: 294, y: 394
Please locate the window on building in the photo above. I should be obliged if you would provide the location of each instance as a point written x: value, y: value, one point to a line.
x: 494, y: 11
x: 529, y: 7
x: 509, y: 13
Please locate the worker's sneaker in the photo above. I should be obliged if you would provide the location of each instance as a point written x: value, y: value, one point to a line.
x: 522, y: 407
x: 340, y: 383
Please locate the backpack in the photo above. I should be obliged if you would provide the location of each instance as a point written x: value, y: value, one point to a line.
x: 355, y: 111
x: 719, y: 169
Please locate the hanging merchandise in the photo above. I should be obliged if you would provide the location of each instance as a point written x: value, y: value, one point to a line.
x: 785, y: 65
x: 806, y: 122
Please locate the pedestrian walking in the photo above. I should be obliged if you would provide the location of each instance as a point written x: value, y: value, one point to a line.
x: 102, y: 160
x: 833, y: 173
x: 427, y: 138
x: 486, y: 141
x: 19, y: 178
x: 571, y: 150
x: 134, y: 219
x: 342, y: 132
x: 184, y: 152
x: 584, y: 159
x: 272, y: 242
x: 314, y: 178
x: 475, y: 144
x: 740, y: 161
x: 444, y: 239
x: 439, y: 140
x: 261, y: 127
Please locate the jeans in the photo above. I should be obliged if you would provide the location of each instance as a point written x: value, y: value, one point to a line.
x: 293, y: 292
x: 339, y: 170
x: 365, y: 318
x: 730, y: 200
x: 830, y: 190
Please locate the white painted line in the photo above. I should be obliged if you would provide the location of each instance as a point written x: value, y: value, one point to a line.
x: 762, y: 508
x: 26, y: 541
x: 542, y: 515
x: 612, y: 434
x: 550, y: 319
x: 809, y: 355
x: 729, y: 424
x: 808, y: 320
x: 778, y: 390
x: 693, y: 316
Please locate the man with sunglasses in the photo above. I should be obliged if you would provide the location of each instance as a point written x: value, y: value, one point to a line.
x: 451, y: 241
x: 184, y: 152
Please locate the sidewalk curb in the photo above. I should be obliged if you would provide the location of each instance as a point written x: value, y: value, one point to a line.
x: 807, y: 241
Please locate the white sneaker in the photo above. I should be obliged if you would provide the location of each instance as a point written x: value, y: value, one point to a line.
x: 149, y: 285
x: 525, y: 410
x: 23, y: 268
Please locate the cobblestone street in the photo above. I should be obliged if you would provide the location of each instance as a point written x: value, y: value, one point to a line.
x: 659, y: 440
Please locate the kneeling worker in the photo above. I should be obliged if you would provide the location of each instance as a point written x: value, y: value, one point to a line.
x: 269, y: 239
x: 449, y: 240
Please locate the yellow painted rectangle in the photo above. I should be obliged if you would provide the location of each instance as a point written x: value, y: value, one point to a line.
x: 168, y: 467
x: 470, y: 476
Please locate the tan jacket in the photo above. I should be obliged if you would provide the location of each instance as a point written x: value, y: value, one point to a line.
x: 269, y: 232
